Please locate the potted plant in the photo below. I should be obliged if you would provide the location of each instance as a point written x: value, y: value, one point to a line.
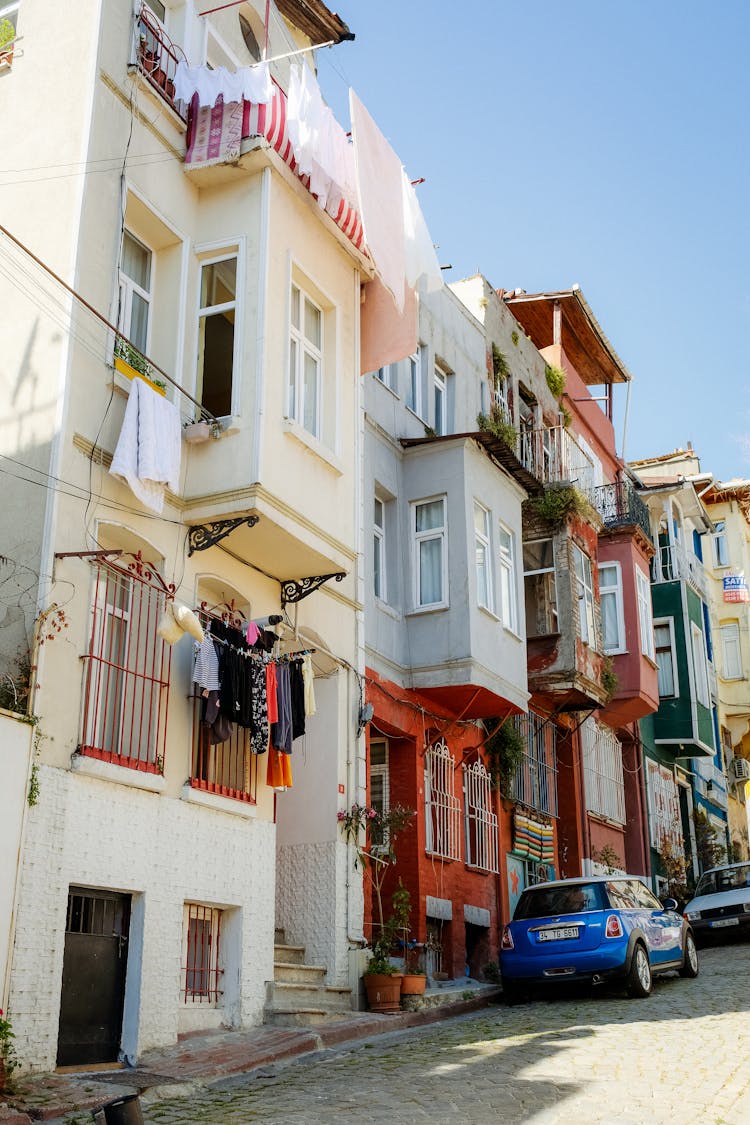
x: 414, y: 980
x: 373, y: 833
x: 7, y: 39
x: 129, y: 362
x: 8, y: 1061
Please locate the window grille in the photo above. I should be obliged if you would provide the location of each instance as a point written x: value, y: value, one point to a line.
x: 442, y: 807
x: 229, y: 769
x: 202, y: 972
x: 127, y: 666
x: 535, y: 783
x: 664, y: 808
x: 480, y: 823
x: 157, y: 56
x: 602, y: 764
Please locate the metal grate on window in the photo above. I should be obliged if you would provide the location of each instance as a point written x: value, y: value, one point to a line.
x: 535, y: 783
x: 603, y: 775
x: 229, y: 769
x: 442, y: 807
x: 127, y: 666
x: 480, y: 823
x: 201, y: 971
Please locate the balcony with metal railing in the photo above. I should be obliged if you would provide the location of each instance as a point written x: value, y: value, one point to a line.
x: 619, y: 505
x: 673, y: 563
x: 156, y: 57
x: 554, y: 456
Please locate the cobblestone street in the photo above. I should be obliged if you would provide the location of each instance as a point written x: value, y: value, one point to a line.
x: 677, y: 1056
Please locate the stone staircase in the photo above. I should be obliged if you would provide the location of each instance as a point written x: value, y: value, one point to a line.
x: 298, y: 995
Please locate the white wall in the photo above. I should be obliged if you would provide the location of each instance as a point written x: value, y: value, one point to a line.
x: 15, y: 740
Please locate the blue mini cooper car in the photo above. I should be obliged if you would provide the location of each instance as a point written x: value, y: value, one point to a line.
x: 597, y: 929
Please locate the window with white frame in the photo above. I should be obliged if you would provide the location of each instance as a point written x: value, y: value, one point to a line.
x: 378, y: 549
x: 201, y: 946
x: 440, y: 390
x: 539, y: 587
x: 500, y: 398
x: 414, y: 384
x: 388, y: 376
x: 610, y: 598
x: 645, y: 613
x: 305, y: 361
x: 480, y: 823
x: 720, y: 547
x: 665, y: 825
x: 585, y: 593
x: 700, y: 667
x: 430, y: 578
x: 603, y: 773
x: 216, y: 333
x: 507, y: 563
x: 136, y: 270
x: 380, y: 797
x: 127, y: 665
x: 666, y: 657
x: 731, y: 652
x: 483, y: 556
x: 442, y: 807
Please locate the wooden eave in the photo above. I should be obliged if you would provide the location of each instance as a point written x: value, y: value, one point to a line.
x: 582, y: 338
x: 495, y: 447
x: 315, y: 20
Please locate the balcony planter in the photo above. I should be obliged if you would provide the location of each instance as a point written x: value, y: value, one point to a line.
x: 131, y: 372
x: 196, y: 432
x: 413, y: 984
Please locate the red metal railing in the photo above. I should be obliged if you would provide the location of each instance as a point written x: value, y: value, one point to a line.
x: 201, y: 971
x: 157, y: 57
x: 127, y: 666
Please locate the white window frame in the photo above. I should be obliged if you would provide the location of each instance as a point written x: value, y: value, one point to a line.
x: 719, y: 546
x: 414, y: 386
x: 128, y: 287
x: 440, y: 394
x: 300, y: 346
x: 419, y: 537
x: 614, y: 591
x: 645, y: 614
x: 604, y: 780
x: 379, y: 583
x: 669, y: 622
x: 211, y: 256
x: 480, y: 822
x: 381, y: 770
x: 506, y: 554
x: 700, y: 665
x: 585, y: 594
x: 730, y: 639
x: 388, y: 376
x: 543, y: 570
x: 483, y: 546
x: 442, y: 807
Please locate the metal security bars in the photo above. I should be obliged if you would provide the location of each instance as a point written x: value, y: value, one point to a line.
x: 127, y: 666
x: 535, y: 783
x: 201, y: 970
x: 480, y: 823
x: 620, y: 506
x: 442, y: 807
x: 229, y: 768
x: 602, y: 765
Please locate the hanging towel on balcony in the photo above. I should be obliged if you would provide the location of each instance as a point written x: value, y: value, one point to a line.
x: 421, y: 260
x: 321, y: 148
x: 308, y: 677
x: 249, y: 83
x: 147, y: 455
x: 215, y: 134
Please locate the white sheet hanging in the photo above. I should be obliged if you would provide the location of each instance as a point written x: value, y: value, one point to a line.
x: 321, y: 148
x: 249, y: 83
x: 421, y: 259
x: 148, y: 452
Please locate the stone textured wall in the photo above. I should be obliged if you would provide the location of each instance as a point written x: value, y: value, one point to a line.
x: 163, y: 852
x: 311, y: 904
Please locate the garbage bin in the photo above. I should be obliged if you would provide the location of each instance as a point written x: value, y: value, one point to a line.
x: 122, y: 1111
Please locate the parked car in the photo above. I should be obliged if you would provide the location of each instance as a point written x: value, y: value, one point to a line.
x: 594, y: 930
x: 721, y: 904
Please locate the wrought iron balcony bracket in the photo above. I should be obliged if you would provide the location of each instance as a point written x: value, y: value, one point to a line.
x: 203, y: 536
x: 295, y: 590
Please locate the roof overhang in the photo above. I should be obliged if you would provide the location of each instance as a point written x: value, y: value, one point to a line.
x: 582, y: 337
x: 498, y: 450
x: 315, y: 20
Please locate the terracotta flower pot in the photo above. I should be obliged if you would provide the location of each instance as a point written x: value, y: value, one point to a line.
x: 383, y: 991
x: 413, y: 984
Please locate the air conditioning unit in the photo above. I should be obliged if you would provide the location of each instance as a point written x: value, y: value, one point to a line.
x: 741, y: 769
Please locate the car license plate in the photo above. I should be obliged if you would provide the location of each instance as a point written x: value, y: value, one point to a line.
x: 725, y: 922
x: 559, y: 933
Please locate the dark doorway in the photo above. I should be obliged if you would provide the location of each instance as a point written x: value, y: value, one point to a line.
x: 93, y: 982
x: 477, y: 949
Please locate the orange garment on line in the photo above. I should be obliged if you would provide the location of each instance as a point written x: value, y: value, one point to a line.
x: 279, y: 773
x: 271, y: 701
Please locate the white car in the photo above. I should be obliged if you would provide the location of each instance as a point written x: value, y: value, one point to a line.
x: 721, y: 906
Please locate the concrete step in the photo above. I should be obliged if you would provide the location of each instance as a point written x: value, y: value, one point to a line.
x: 303, y: 1017
x: 292, y: 997
x: 279, y: 936
x: 286, y: 973
x: 290, y: 954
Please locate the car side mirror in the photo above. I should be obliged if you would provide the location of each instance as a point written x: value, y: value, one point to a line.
x: 669, y: 903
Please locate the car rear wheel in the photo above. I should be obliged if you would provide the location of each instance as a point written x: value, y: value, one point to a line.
x: 689, y: 958
x: 640, y: 981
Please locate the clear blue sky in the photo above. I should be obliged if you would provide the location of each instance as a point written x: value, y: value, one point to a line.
x: 592, y: 142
